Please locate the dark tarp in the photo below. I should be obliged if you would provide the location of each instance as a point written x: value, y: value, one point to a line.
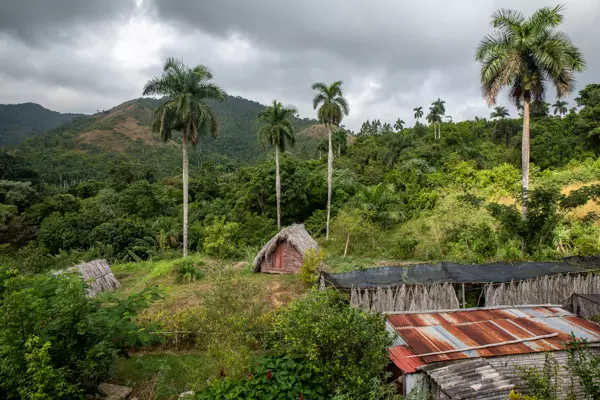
x: 458, y: 273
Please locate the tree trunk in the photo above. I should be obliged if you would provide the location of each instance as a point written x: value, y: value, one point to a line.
x: 329, y: 180
x: 319, y: 155
x: 347, y: 243
x: 185, y: 194
x: 525, y: 166
x: 339, y: 150
x: 277, y: 187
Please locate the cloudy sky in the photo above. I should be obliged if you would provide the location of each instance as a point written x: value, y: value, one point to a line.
x: 392, y: 55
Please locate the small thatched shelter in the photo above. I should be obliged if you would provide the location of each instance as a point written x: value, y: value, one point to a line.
x: 284, y: 253
x: 97, y: 275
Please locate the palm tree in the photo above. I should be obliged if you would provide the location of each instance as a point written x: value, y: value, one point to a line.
x: 418, y: 113
x: 525, y: 54
x: 399, y: 125
x: 378, y: 203
x: 560, y: 107
x: 499, y: 112
x: 434, y: 118
x: 185, y: 111
x: 340, y: 140
x: 439, y: 110
x: 323, y: 146
x: 441, y: 105
x: 539, y: 109
x: 332, y: 108
x: 276, y: 130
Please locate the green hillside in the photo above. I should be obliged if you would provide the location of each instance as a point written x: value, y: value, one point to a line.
x: 85, y: 147
x: 21, y: 121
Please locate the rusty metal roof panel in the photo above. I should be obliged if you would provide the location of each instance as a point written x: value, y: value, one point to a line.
x: 425, y: 333
x: 470, y: 316
x: 400, y: 356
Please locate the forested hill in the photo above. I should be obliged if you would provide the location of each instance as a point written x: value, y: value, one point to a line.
x: 238, y: 126
x: 87, y: 146
x: 116, y: 129
x: 20, y: 121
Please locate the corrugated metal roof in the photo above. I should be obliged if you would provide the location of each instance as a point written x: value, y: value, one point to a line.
x: 471, y: 379
x: 424, y: 333
x: 399, y: 356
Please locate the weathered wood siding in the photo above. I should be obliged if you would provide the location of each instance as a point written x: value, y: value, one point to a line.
x: 511, y: 366
x: 290, y: 263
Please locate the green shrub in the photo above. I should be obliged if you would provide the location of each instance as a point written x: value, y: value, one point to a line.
x: 313, y: 260
x: 316, y: 223
x: 585, y: 365
x: 55, y: 342
x: 347, y: 347
x: 221, y: 239
x: 271, y: 378
x: 186, y: 272
x: 543, y: 384
x: 404, y: 248
x: 234, y: 322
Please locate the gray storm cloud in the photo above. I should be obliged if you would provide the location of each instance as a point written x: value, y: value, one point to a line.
x: 81, y: 56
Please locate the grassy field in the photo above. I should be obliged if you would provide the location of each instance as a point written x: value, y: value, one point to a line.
x: 166, y: 371
x: 164, y: 374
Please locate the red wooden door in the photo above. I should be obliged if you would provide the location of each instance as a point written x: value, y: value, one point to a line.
x: 279, y: 257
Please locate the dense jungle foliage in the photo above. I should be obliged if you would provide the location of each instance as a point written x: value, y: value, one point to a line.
x: 397, y: 194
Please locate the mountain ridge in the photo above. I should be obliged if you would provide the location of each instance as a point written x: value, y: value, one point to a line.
x: 23, y: 120
x: 115, y: 129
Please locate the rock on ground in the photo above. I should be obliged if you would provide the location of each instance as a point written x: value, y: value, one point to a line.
x: 114, y: 392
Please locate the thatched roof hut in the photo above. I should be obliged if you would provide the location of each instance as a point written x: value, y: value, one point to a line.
x: 284, y: 253
x: 97, y: 275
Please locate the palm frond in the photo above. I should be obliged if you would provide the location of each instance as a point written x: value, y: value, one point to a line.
x: 343, y: 103
x: 547, y: 17
x: 202, y: 72
x: 211, y: 91
x: 506, y: 19
x: 175, y: 65
x: 319, y: 86
x: 318, y: 99
x: 335, y: 89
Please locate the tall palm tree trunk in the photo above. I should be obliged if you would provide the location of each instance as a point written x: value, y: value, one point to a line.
x: 525, y: 166
x: 185, y: 193
x: 278, y: 187
x: 329, y: 180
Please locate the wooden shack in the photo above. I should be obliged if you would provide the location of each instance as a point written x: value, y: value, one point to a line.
x: 284, y: 253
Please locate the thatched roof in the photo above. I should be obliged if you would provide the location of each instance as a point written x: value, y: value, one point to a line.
x: 97, y: 275
x: 295, y: 235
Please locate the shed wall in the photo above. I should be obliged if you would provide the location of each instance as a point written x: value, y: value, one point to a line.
x: 291, y: 260
x: 510, y: 366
